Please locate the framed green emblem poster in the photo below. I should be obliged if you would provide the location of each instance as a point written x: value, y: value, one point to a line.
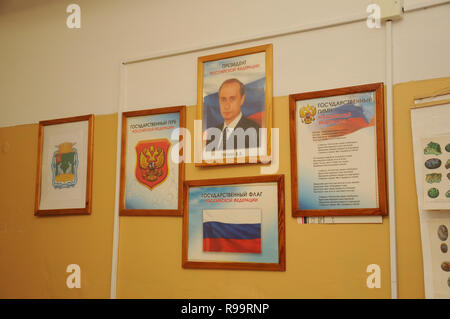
x: 64, y: 170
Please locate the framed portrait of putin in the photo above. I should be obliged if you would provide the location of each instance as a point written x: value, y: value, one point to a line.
x: 234, y: 104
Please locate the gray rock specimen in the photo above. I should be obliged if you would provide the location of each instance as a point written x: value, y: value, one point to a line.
x: 433, y: 163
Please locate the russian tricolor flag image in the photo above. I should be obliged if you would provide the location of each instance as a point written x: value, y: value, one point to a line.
x: 232, y: 230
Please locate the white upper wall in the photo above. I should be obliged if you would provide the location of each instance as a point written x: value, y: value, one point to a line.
x: 49, y: 71
x: 422, y: 45
x: 323, y: 59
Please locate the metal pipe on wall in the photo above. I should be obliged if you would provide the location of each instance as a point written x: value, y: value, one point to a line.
x: 390, y: 153
x: 115, y: 252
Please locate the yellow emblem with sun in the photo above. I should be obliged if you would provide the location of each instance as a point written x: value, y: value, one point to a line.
x: 307, y: 114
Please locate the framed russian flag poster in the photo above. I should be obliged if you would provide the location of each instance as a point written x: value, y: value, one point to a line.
x: 235, y: 223
x: 338, y: 162
x: 152, y: 167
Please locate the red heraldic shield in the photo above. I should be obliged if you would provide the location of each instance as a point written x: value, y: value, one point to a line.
x: 152, y: 162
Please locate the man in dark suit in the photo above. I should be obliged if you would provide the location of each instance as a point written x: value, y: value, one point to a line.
x: 237, y: 131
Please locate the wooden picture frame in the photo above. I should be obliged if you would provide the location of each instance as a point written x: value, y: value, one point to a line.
x: 64, y: 166
x: 156, y: 190
x: 255, y: 202
x: 229, y: 83
x: 329, y: 131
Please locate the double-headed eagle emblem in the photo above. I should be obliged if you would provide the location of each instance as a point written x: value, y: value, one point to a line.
x: 151, y: 166
x: 151, y: 161
x: 307, y: 114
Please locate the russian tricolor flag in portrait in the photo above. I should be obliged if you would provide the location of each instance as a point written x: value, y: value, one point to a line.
x: 232, y: 230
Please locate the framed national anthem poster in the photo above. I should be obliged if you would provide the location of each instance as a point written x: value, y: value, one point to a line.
x: 64, y: 169
x: 338, y: 152
x: 152, y: 171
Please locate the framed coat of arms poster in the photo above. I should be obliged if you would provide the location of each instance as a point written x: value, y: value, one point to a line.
x: 64, y: 170
x: 152, y: 171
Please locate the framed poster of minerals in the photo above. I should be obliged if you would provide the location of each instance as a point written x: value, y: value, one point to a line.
x: 152, y: 166
x: 234, y: 223
x: 338, y: 152
x: 436, y: 172
x: 234, y: 103
x: 64, y: 169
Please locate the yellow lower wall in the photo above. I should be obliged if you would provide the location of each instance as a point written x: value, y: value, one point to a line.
x: 323, y: 261
x: 409, y: 247
x: 35, y: 251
